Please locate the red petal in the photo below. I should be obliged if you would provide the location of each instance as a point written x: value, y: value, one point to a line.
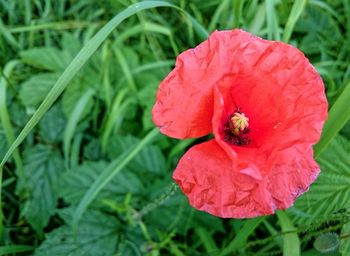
x: 184, y: 104
x: 208, y: 177
x: 248, y: 186
x: 291, y: 175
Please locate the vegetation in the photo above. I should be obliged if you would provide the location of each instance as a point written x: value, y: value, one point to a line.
x: 84, y: 170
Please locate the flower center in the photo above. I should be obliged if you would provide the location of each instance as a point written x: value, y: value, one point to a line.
x: 238, y: 123
x: 236, y: 130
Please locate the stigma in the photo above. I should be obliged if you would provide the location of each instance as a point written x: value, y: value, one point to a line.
x: 238, y: 123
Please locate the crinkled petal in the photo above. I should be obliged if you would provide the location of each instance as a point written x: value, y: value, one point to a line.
x: 251, y: 187
x: 184, y: 102
x: 293, y: 171
x: 206, y: 175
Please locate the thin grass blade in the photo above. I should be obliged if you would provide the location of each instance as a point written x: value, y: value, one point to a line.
x: 73, y: 122
x: 297, y: 9
x: 8, y: 36
x: 247, y: 229
x: 271, y: 18
x: 338, y: 116
x: 291, y: 241
x: 9, y: 249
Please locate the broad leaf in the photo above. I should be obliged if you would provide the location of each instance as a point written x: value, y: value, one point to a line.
x: 42, y: 166
x: 47, y: 58
x: 150, y: 159
x: 96, y: 235
x: 175, y: 212
x: 52, y: 125
x: 34, y: 90
x: 87, y: 79
x: 75, y: 183
x: 331, y: 191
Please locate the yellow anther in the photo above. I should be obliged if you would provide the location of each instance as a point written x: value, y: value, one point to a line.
x: 238, y: 122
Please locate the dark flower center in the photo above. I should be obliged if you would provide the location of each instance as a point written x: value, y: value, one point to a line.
x: 236, y: 129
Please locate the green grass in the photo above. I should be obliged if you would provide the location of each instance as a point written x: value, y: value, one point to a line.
x: 81, y: 160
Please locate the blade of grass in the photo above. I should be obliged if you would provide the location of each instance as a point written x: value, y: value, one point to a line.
x: 75, y: 151
x: 105, y: 67
x: 9, y: 132
x: 237, y: 11
x: 217, y: 14
x: 63, y: 25
x: 272, y: 24
x: 259, y: 19
x: 8, y: 249
x: 291, y: 242
x: 148, y: 27
x: 8, y: 36
x: 114, y: 115
x: 109, y: 173
x: 126, y: 69
x: 239, y: 240
x: 207, y: 240
x: 338, y: 116
x: 297, y: 9
x: 4, y: 115
x: 72, y: 123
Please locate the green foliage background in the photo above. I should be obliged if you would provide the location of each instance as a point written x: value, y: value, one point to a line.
x: 85, y: 172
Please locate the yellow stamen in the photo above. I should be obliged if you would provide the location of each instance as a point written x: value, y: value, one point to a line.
x: 238, y: 122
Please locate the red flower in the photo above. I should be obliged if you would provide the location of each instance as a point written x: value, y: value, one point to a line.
x: 265, y: 105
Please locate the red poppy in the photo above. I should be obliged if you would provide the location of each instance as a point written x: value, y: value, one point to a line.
x: 265, y: 104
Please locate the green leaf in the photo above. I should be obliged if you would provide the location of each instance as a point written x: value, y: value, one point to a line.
x: 70, y: 44
x: 175, y: 212
x: 96, y: 235
x: 331, y: 191
x: 42, y: 167
x: 75, y: 183
x: 128, y: 248
x: 87, y: 80
x: 46, y: 58
x: 52, y: 125
x: 34, y: 90
x: 150, y: 159
x: 92, y: 150
x: 323, y: 34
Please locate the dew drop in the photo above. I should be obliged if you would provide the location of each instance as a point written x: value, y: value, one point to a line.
x: 276, y: 126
